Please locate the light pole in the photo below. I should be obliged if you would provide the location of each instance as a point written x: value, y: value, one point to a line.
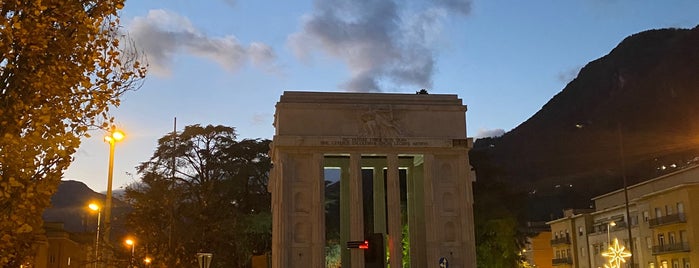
x: 131, y: 243
x: 609, y: 225
x: 97, y: 208
x: 112, y: 138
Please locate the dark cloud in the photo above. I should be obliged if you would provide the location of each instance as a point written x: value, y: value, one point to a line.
x: 383, y: 44
x: 162, y: 34
x: 458, y: 6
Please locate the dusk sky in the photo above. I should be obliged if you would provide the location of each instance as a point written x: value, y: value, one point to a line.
x: 228, y: 61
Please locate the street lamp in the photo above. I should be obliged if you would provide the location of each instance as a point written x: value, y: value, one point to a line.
x: 131, y: 243
x: 147, y: 261
x: 95, y: 207
x: 609, y: 225
x: 112, y: 138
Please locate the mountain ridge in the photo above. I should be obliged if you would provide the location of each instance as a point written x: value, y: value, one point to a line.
x: 630, y: 113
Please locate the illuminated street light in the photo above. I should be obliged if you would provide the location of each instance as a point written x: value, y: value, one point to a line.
x: 609, y: 225
x: 147, y: 261
x: 131, y: 243
x: 95, y: 207
x: 112, y: 138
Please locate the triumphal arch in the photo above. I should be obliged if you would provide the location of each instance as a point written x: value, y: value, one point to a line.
x: 403, y: 168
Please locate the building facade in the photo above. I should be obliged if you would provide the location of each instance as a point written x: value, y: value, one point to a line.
x: 663, y: 223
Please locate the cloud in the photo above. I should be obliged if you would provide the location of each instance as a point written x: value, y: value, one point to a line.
x: 163, y: 34
x: 258, y: 119
x: 384, y: 44
x: 568, y: 75
x: 486, y: 133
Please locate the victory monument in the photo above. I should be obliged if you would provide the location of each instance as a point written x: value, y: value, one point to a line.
x: 417, y: 139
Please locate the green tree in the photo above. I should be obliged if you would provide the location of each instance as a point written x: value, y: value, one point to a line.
x: 203, y: 191
x: 497, y: 218
x: 61, y: 68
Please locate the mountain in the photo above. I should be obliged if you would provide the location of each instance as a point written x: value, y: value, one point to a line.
x: 632, y: 113
x: 69, y: 206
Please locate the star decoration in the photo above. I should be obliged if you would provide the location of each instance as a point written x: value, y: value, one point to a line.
x: 616, y: 254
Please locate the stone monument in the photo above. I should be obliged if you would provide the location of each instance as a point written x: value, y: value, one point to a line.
x: 421, y: 135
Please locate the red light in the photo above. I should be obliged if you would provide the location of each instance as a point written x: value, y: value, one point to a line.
x: 365, y: 245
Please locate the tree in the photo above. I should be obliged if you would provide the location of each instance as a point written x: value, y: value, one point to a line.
x: 498, y: 214
x: 203, y: 191
x: 61, y: 69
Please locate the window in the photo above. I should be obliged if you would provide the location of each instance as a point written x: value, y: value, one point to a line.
x: 646, y: 216
x: 675, y: 264
x: 661, y: 240
x: 580, y: 231
x: 686, y: 263
x: 683, y: 236
x: 680, y: 207
x: 651, y: 265
x: 658, y: 213
x: 668, y: 211
x: 649, y: 242
x: 582, y: 251
x: 671, y: 238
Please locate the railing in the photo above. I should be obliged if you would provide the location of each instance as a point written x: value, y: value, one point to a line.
x: 562, y: 240
x: 599, y: 229
x: 668, y: 248
x: 669, y: 219
x: 562, y: 261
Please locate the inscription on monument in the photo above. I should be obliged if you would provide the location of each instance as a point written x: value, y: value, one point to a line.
x: 380, y: 142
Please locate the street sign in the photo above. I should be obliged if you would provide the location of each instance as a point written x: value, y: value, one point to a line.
x: 204, y: 259
x: 443, y: 262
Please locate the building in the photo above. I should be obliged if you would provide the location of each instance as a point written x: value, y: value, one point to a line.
x: 58, y: 248
x: 537, y: 252
x: 663, y: 230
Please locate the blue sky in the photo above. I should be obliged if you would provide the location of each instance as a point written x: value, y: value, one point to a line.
x: 228, y: 61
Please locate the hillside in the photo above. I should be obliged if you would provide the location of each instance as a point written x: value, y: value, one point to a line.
x: 638, y: 101
x: 69, y: 206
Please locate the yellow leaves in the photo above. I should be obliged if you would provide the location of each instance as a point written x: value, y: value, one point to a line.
x: 66, y: 70
x: 25, y: 228
x: 14, y: 183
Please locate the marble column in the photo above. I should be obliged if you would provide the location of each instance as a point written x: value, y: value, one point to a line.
x: 356, y: 209
x: 394, y: 215
x: 379, y: 201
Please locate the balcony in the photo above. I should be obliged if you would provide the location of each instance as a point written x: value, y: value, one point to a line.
x: 562, y: 261
x: 669, y: 248
x: 562, y: 240
x: 669, y: 219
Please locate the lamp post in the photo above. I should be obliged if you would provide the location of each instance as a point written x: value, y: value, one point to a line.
x: 97, y: 208
x: 609, y: 226
x: 131, y: 243
x: 112, y: 138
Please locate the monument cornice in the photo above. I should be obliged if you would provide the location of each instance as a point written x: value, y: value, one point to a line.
x: 354, y: 142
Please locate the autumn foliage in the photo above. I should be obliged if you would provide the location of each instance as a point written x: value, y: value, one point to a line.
x: 61, y: 69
